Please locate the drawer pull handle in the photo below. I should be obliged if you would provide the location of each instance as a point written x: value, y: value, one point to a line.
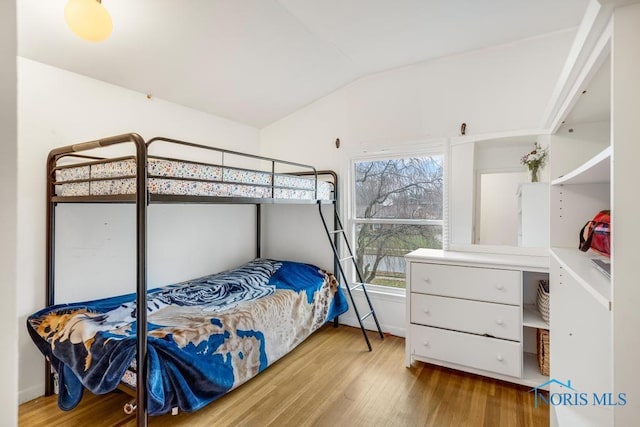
x: 500, y: 287
x: 426, y: 311
x: 500, y: 322
x: 499, y: 357
x: 427, y: 280
x: 426, y: 343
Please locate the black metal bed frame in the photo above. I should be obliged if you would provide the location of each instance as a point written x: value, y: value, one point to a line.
x: 142, y: 199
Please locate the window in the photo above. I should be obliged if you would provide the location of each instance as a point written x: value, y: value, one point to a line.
x: 397, y: 208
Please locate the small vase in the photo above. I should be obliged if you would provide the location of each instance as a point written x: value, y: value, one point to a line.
x: 535, y: 174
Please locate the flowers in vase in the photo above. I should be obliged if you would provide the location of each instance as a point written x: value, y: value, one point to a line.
x: 535, y: 160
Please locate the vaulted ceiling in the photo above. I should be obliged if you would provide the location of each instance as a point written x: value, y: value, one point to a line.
x: 256, y: 61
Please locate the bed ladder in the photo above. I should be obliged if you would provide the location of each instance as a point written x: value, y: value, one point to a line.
x: 339, y: 230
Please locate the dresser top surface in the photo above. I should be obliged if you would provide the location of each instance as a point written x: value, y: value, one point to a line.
x: 520, y: 262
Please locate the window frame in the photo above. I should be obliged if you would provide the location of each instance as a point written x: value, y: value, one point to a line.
x: 425, y: 149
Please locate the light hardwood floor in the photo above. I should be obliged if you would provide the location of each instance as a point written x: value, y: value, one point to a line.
x: 330, y: 380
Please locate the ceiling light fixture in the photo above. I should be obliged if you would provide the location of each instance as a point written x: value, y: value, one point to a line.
x: 88, y: 19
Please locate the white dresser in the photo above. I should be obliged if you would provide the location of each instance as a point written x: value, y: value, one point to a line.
x: 474, y: 312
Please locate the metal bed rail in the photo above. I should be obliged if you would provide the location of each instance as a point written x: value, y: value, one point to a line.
x: 141, y: 250
x: 272, y: 174
x: 312, y: 170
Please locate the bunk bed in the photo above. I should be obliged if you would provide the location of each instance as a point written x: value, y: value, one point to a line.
x: 164, y: 353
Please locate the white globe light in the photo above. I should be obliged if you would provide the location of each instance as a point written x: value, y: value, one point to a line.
x: 88, y: 19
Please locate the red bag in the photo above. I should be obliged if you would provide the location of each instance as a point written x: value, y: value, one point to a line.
x: 596, y: 234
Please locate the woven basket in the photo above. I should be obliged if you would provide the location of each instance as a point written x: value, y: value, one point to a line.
x: 542, y: 300
x: 543, y: 351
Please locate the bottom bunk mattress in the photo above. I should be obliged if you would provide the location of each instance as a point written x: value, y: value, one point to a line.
x: 205, y: 336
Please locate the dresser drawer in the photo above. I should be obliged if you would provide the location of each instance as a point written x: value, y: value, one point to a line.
x: 482, y: 284
x: 496, y: 320
x: 489, y: 354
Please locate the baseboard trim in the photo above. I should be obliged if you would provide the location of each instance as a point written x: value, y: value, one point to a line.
x: 371, y: 326
x: 30, y: 393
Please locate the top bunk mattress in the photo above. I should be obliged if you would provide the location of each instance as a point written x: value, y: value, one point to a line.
x: 172, y: 177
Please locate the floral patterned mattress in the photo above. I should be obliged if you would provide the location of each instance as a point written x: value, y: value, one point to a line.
x: 194, y: 179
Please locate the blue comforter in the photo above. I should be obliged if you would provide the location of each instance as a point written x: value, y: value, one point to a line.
x: 205, y: 336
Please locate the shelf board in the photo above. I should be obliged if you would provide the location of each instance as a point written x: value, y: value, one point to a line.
x: 595, y: 170
x: 532, y: 318
x: 578, y: 265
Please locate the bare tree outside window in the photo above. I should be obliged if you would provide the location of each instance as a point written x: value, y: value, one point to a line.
x: 398, y: 208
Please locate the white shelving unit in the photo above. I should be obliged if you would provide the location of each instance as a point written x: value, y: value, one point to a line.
x: 532, y: 321
x: 588, y: 187
x: 593, y: 154
x: 581, y: 317
x: 581, y: 296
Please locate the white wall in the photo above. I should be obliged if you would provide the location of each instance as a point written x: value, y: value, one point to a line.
x: 497, y: 89
x: 504, y: 88
x: 307, y: 229
x: 8, y: 219
x: 55, y: 108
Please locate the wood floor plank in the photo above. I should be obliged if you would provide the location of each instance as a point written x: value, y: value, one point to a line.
x: 330, y: 380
